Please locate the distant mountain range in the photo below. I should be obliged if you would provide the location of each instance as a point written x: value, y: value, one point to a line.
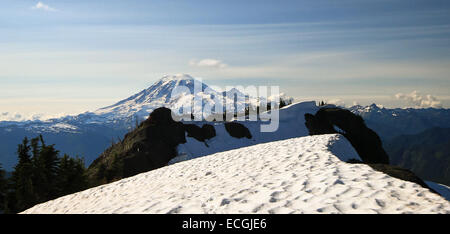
x: 90, y: 133
x: 389, y: 123
x: 136, y: 107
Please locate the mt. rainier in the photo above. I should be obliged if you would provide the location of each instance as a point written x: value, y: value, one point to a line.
x: 106, y: 124
x: 158, y: 95
x: 140, y: 105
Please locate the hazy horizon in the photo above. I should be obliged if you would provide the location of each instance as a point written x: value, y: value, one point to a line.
x: 67, y: 57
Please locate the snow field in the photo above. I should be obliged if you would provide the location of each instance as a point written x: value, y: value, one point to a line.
x: 299, y: 175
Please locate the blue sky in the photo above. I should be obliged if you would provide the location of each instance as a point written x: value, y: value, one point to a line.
x: 68, y: 56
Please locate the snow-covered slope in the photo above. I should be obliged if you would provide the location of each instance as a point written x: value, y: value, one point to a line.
x: 299, y: 175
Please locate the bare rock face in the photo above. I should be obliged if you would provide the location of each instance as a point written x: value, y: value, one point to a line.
x: 336, y: 120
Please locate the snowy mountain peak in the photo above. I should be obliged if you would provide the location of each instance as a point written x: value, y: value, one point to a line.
x: 157, y: 95
x: 179, y: 76
x: 168, y: 83
x: 376, y: 106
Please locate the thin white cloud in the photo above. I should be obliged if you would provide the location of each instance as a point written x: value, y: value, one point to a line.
x: 419, y: 100
x: 214, y: 63
x: 336, y: 101
x: 44, y: 7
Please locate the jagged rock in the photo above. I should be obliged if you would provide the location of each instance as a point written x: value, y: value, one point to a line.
x: 237, y: 130
x: 336, y: 120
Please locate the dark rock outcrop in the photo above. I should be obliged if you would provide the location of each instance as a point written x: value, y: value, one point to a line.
x: 237, y: 130
x: 150, y: 146
x: 208, y: 131
x: 399, y: 173
x: 160, y: 135
x: 365, y: 141
x: 194, y: 131
x: 203, y: 133
x: 336, y: 120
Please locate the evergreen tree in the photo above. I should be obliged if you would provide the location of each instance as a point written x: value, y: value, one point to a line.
x: 35, y: 147
x: 23, y: 152
x: 136, y: 122
x: 282, y: 103
x: 114, y: 169
x: 22, y: 184
x: 46, y: 169
x: 71, y: 175
x: 40, y: 177
x: 10, y: 203
x: 3, y: 184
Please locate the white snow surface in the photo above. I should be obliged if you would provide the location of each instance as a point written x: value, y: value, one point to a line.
x: 298, y: 175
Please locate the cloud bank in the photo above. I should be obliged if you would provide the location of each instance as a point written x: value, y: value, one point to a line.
x: 214, y: 63
x: 15, y: 116
x: 419, y: 100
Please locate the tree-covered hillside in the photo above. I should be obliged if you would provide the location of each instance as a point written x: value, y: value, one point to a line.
x: 427, y: 154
